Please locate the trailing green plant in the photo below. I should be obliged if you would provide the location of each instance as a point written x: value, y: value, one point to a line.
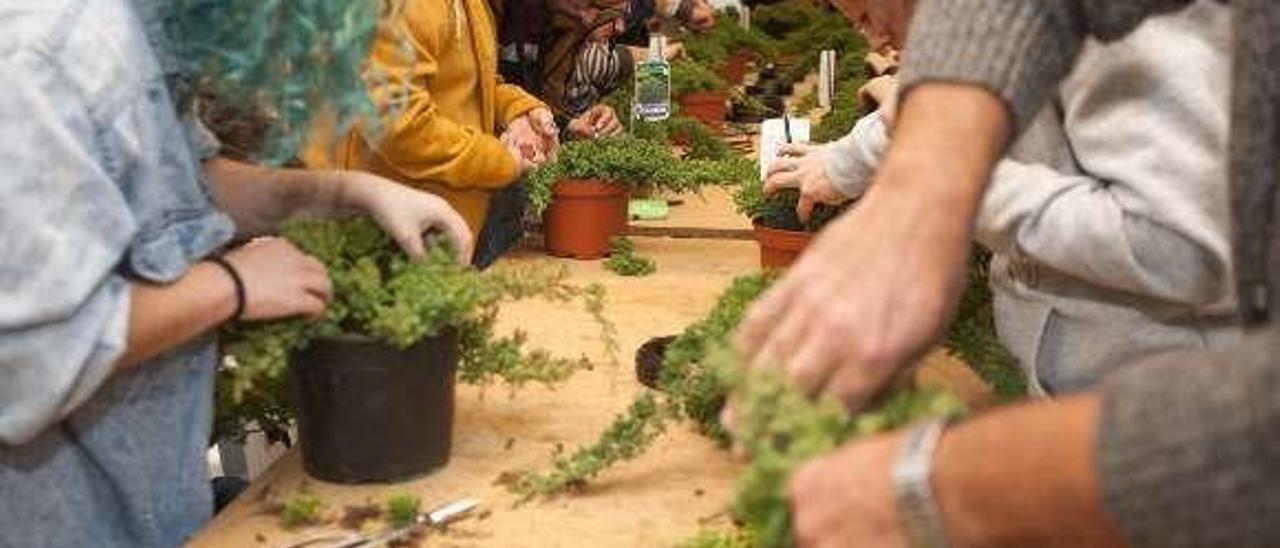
x: 781, y: 427
x: 380, y: 293
x: 627, y: 437
x: 719, y: 539
x: 623, y: 260
x: 692, y: 77
x: 629, y: 160
x: 301, y: 509
x: 402, y: 510
x: 689, y: 390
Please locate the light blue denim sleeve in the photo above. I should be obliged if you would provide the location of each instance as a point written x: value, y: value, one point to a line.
x: 64, y: 229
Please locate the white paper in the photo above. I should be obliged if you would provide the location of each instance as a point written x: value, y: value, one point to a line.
x: 773, y: 135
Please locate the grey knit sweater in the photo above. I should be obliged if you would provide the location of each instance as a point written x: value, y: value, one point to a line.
x: 1189, y: 448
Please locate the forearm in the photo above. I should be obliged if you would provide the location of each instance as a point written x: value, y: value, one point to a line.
x: 1025, y: 476
x: 259, y: 199
x: 947, y: 139
x: 164, y: 317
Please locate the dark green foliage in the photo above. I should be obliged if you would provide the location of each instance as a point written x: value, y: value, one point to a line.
x: 290, y: 59
x: 782, y: 428
x: 779, y: 210
x: 381, y: 294
x: 691, y: 77
x: 784, y: 19
x: 845, y: 112
x: 302, y: 509
x: 711, y: 49
x: 402, y: 510
x: 972, y: 336
x: 623, y: 260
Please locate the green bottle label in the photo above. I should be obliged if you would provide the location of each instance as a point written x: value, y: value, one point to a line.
x: 653, y: 90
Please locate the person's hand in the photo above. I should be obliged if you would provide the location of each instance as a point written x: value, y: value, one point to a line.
x: 280, y: 281
x: 544, y: 126
x: 599, y: 121
x: 673, y: 50
x: 876, y: 287
x: 408, y: 214
x: 854, y: 480
x: 701, y: 18
x: 801, y: 167
x: 524, y: 144
x: 881, y: 91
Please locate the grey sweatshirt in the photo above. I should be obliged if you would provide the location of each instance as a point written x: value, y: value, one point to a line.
x: 1188, y: 450
x: 1111, y: 244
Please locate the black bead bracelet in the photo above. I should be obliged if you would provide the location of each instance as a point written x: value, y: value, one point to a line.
x: 236, y: 280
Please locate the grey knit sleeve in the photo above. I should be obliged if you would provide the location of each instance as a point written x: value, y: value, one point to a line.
x: 1189, y: 449
x: 1017, y: 49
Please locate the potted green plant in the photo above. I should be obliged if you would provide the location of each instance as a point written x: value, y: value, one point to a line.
x: 702, y: 94
x: 583, y: 194
x: 778, y: 229
x: 371, y: 382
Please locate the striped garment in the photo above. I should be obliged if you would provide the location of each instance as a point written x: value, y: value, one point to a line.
x: 599, y: 70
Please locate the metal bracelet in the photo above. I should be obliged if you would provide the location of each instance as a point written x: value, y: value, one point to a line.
x: 917, y: 510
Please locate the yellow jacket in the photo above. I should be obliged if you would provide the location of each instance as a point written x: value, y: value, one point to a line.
x: 437, y: 84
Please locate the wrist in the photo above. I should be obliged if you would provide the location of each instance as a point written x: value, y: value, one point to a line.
x: 918, y: 510
x: 230, y: 298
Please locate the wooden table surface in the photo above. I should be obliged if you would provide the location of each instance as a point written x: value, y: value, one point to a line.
x: 681, y: 485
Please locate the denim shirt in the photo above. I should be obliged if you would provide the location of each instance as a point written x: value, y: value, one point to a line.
x: 99, y: 186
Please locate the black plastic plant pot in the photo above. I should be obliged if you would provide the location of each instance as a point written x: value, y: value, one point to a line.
x: 369, y: 412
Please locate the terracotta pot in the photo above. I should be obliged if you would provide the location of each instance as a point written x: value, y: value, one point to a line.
x: 583, y: 216
x: 780, y: 248
x: 735, y: 67
x: 708, y: 107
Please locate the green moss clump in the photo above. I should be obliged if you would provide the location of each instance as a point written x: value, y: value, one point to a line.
x: 302, y: 509
x: 623, y: 260
x: 403, y: 510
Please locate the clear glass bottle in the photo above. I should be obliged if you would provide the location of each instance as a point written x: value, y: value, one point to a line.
x: 653, y: 83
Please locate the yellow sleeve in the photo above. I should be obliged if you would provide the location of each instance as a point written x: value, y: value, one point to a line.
x: 512, y: 102
x: 417, y: 140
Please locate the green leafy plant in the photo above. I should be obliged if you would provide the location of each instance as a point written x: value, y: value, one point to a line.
x: 779, y: 210
x: 782, y: 428
x: 403, y: 510
x: 632, y: 161
x: 713, y: 48
x: 689, y: 390
x: 624, y: 261
x: 302, y: 509
x: 380, y: 293
x: 691, y: 77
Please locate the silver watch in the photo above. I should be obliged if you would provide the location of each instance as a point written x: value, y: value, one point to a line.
x: 917, y: 510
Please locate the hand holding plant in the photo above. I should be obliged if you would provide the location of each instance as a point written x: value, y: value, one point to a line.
x: 407, y: 215
x: 801, y: 167
x: 280, y: 280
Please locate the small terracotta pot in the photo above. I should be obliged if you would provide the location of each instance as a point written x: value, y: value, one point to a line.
x: 708, y: 107
x: 583, y: 216
x: 780, y: 248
